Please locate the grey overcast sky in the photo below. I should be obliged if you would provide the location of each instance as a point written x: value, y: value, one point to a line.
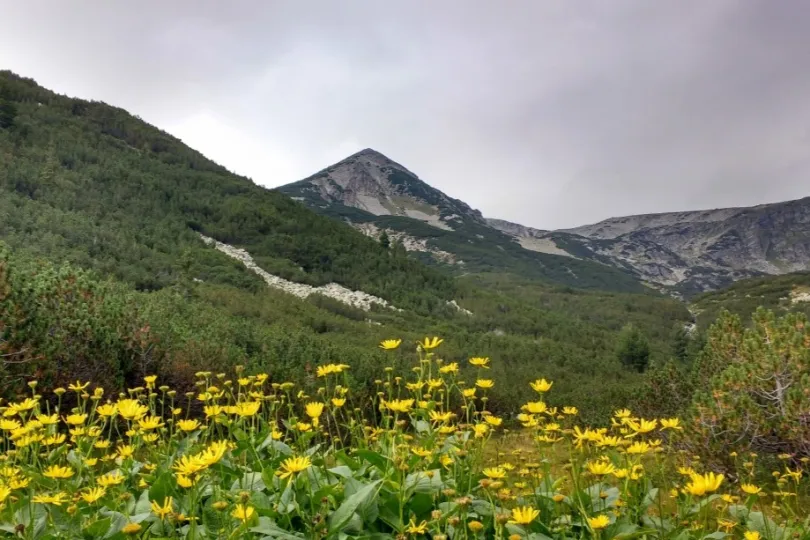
x: 551, y: 113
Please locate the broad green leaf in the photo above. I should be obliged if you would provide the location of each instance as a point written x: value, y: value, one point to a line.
x: 97, y: 529
x: 268, y: 526
x: 251, y: 481
x: 162, y: 487
x: 343, y: 514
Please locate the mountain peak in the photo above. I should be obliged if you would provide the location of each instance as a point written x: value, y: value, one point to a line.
x: 374, y: 183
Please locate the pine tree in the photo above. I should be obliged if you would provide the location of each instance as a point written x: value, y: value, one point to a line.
x: 756, y: 385
x: 633, y: 349
x: 680, y: 343
x: 385, y: 241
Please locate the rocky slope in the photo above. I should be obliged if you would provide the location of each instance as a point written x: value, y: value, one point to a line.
x: 370, y: 182
x: 696, y: 251
x: 684, y: 253
x: 375, y: 194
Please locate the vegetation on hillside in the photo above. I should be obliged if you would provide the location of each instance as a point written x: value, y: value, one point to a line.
x: 66, y: 324
x: 775, y: 293
x: 270, y: 460
x: 91, y: 184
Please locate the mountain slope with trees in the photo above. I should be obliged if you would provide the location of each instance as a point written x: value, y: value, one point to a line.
x: 104, y: 272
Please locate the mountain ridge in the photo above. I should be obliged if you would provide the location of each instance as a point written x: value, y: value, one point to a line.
x: 681, y: 253
x: 376, y: 194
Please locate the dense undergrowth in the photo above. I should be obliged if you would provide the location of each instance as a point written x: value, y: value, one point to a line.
x: 269, y: 460
x: 59, y: 323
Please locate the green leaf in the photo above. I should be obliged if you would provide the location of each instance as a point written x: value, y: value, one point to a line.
x: 423, y: 482
x: 376, y: 459
x: 163, y: 487
x: 268, y: 527
x: 251, y: 481
x: 143, y: 504
x: 118, y: 520
x: 97, y: 529
x: 343, y: 514
x: 342, y: 471
x: 277, y: 446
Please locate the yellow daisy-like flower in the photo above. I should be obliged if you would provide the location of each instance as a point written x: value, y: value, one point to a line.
x: 107, y: 410
x: 599, y: 522
x: 638, y: 447
x: 430, y: 343
x: 131, y: 409
x: 112, y: 478
x: 524, y: 515
x: 150, y: 422
x: 399, y: 405
x: 247, y: 409
x: 449, y: 368
x: 9, y: 425
x: 413, y: 528
x: 187, y: 425
x: 671, y: 423
x: 292, y: 466
x: 494, y: 473
x: 314, y: 410
x: 57, y: 472
x: 535, y: 407
x: 184, y: 481
x: 480, y: 362
x: 56, y: 499
x: 390, y: 344
x: 75, y: 419
x: 541, y: 385
x: 701, y: 484
x: 78, y: 386
x: 485, y: 383
x: 163, y: 510
x: 493, y: 421
x: 600, y: 467
x: 750, y: 489
x: 243, y: 512
x: 93, y: 494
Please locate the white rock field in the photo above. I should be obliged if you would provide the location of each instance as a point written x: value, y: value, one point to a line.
x: 357, y: 299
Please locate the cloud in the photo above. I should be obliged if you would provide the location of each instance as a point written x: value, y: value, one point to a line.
x: 552, y: 114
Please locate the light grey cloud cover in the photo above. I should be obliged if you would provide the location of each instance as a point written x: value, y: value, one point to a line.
x: 548, y: 113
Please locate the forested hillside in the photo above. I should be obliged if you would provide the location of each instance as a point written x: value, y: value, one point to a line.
x: 781, y: 294
x: 89, y: 183
x: 104, y: 276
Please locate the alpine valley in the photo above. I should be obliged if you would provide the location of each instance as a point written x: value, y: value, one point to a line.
x: 123, y: 252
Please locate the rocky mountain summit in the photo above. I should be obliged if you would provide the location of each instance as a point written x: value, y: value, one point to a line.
x: 370, y: 182
x: 684, y: 253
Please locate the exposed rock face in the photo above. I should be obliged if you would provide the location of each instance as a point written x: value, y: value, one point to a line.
x: 357, y: 299
x: 529, y: 238
x: 410, y: 243
x: 692, y: 251
x: 371, y: 182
